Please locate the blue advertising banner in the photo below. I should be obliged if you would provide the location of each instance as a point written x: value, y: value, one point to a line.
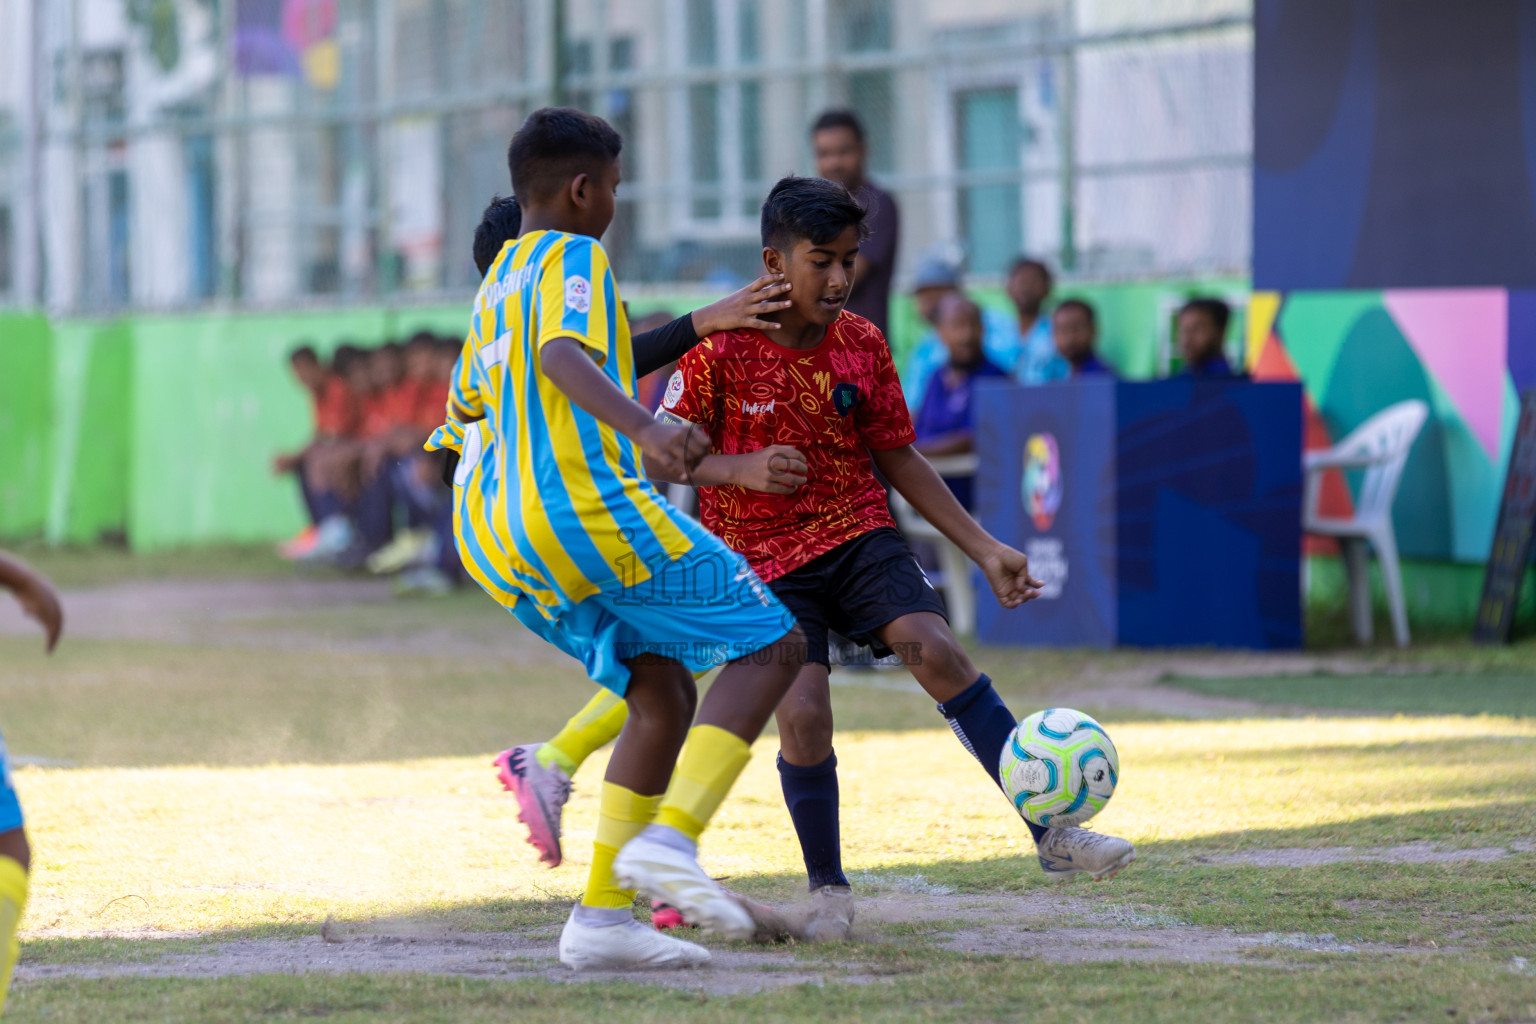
x: 1045, y: 484
x: 1156, y: 514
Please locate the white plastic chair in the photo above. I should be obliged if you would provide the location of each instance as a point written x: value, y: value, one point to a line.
x: 954, y: 567
x: 1380, y: 447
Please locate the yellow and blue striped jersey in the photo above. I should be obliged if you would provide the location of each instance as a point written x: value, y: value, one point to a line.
x: 550, y: 503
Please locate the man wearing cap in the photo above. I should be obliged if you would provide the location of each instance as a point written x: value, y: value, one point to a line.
x: 937, y: 279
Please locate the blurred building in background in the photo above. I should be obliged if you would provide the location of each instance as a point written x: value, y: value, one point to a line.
x: 166, y: 154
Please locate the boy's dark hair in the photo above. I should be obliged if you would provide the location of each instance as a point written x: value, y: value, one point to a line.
x: 1219, y: 312
x: 812, y: 208
x: 839, y: 119
x: 304, y: 353
x: 1026, y: 261
x: 421, y: 339
x: 1079, y: 304
x: 554, y: 145
x: 344, y: 357
x: 501, y: 222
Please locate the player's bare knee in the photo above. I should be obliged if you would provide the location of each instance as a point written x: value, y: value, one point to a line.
x: 939, y: 654
x: 805, y: 733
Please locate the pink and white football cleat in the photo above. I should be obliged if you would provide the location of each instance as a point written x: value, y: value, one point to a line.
x: 541, y: 795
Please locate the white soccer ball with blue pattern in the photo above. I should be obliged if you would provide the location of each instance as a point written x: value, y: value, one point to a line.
x: 1059, y: 768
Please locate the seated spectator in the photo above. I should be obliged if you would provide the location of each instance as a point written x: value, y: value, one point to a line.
x: 1202, y: 331
x: 943, y: 423
x: 312, y: 376
x: 1029, y: 285
x: 1076, y: 329
x: 935, y: 280
x: 336, y: 468
x: 336, y: 395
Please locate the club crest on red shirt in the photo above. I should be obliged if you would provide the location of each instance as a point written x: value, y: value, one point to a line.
x: 845, y: 398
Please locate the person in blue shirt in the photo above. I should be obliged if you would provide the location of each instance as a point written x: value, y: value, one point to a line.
x: 943, y: 423
x: 1076, y: 329
x: 1029, y: 285
x: 1201, y: 332
x: 936, y: 280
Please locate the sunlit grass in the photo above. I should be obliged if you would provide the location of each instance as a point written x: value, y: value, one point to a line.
x: 199, y: 848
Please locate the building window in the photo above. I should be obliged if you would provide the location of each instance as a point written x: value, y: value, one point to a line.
x: 704, y: 120
x: 991, y: 210
x: 202, y: 241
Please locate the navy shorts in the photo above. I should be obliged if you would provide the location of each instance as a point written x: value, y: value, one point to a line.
x: 855, y: 589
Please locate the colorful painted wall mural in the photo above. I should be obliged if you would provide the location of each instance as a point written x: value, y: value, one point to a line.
x: 1465, y: 351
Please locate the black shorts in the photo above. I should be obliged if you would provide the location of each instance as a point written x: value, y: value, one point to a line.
x: 855, y: 589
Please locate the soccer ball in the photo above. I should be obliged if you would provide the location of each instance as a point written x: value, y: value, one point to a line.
x: 1059, y: 768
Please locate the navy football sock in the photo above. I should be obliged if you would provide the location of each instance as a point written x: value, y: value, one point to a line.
x: 810, y: 793
x: 984, y: 723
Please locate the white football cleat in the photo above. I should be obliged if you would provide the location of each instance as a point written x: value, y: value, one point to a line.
x: 831, y: 916
x: 1067, y: 851
x: 675, y: 878
x: 630, y: 946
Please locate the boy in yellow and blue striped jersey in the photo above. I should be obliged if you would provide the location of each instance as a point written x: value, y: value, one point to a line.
x: 555, y: 519
x: 38, y: 600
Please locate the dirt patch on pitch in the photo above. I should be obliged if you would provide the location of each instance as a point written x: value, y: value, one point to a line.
x: 300, y: 613
x: 1409, y: 853
x: 1142, y: 686
x: 1049, y: 926
x: 495, y: 955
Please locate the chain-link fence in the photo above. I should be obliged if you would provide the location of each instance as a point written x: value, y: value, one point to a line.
x: 167, y: 153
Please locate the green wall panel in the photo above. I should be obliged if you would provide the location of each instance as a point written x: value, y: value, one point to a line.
x: 214, y: 401
x: 26, y: 418
x: 89, y: 443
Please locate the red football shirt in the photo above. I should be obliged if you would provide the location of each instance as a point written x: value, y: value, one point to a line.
x: 830, y: 403
x: 337, y: 411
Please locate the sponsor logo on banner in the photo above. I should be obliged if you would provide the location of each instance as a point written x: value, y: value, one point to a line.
x: 578, y: 293
x: 1048, y: 564
x: 1042, y: 479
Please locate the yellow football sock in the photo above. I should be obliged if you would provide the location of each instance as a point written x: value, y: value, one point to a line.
x: 711, y: 760
x: 13, y: 898
x: 594, y: 725
x: 621, y: 814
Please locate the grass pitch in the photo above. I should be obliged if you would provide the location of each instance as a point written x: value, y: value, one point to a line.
x: 199, y: 808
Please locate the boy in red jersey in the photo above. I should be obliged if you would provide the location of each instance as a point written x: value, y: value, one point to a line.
x: 795, y: 416
x: 820, y: 397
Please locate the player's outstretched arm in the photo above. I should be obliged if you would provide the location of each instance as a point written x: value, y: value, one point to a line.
x: 670, y: 449
x: 37, y: 596
x: 777, y: 469
x: 1006, y: 569
x: 744, y: 308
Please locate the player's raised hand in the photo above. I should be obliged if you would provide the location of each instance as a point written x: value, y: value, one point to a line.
x: 777, y: 469
x: 673, y: 450
x: 37, y: 596
x: 1007, y: 570
x: 752, y: 306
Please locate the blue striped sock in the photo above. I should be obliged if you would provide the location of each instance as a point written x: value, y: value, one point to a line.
x: 983, y: 723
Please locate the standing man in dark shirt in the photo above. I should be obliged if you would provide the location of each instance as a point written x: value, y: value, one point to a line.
x: 837, y: 138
